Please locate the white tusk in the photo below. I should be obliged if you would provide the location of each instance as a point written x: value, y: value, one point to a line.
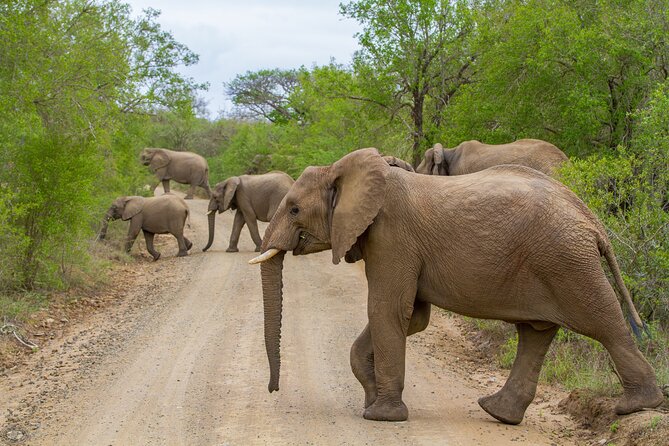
x: 210, y: 212
x: 265, y: 256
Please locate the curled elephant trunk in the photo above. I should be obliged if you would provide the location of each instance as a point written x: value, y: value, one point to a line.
x: 211, y: 216
x: 272, y: 290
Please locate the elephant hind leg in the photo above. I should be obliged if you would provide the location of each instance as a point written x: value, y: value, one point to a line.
x: 508, y: 405
x: 191, y: 192
x: 640, y: 389
x: 604, y: 322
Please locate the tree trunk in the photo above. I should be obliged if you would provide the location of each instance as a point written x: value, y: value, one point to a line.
x: 272, y: 290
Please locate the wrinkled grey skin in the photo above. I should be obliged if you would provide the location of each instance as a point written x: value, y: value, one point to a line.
x: 165, y: 214
x: 474, y: 156
x: 255, y: 197
x: 182, y: 167
x: 506, y: 243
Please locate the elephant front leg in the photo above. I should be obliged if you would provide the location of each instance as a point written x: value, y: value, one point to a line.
x: 362, y: 365
x: 237, y: 226
x: 508, y: 405
x: 148, y: 238
x: 133, y: 232
x: 362, y: 351
x: 390, y: 307
x: 252, y: 224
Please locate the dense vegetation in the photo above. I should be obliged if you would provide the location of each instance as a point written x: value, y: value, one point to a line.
x: 84, y: 85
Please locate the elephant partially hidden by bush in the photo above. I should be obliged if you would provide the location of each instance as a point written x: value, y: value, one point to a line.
x: 506, y: 243
x: 255, y: 197
x: 182, y: 167
x: 165, y: 214
x: 474, y: 156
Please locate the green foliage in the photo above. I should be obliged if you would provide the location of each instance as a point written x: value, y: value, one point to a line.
x: 70, y: 74
x: 629, y: 190
x: 414, y: 57
x: 568, y: 72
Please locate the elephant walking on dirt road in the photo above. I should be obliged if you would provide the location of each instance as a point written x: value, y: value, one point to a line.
x: 165, y: 214
x: 182, y: 167
x: 474, y: 156
x: 255, y: 197
x: 506, y: 243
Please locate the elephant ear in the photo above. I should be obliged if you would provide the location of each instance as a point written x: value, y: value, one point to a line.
x: 358, y: 190
x: 438, y: 154
x: 230, y: 189
x: 159, y: 159
x: 133, y: 206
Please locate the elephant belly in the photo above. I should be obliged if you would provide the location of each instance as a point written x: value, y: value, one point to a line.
x: 501, y: 302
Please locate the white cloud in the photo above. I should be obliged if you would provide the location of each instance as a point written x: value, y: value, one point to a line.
x: 233, y: 37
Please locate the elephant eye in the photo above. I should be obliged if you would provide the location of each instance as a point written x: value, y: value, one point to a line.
x: 294, y: 210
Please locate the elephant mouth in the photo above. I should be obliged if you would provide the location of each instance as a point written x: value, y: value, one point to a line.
x: 307, y: 244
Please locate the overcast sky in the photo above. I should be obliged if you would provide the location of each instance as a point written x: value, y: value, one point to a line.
x: 235, y: 36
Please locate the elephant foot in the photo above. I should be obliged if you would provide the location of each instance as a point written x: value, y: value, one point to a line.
x: 391, y: 411
x: 504, y: 406
x: 182, y: 254
x: 156, y: 256
x: 635, y: 400
x: 188, y: 197
x: 232, y: 250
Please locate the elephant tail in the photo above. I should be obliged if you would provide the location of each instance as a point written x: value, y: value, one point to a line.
x: 635, y: 319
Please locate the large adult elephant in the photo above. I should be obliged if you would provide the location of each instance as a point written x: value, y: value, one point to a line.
x: 505, y: 243
x: 473, y: 156
x: 182, y: 167
x: 165, y: 214
x: 255, y: 197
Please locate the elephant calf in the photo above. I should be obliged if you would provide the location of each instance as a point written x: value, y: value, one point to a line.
x: 506, y: 243
x: 165, y: 214
x: 474, y: 156
x: 255, y: 197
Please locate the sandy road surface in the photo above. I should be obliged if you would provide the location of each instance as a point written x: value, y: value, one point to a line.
x: 180, y: 360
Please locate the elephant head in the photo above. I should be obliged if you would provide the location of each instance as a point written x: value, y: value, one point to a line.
x: 222, y: 199
x: 327, y: 208
x: 154, y: 158
x: 124, y: 208
x: 435, y: 161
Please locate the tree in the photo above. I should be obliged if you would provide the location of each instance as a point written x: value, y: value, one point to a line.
x: 414, y: 56
x: 265, y: 94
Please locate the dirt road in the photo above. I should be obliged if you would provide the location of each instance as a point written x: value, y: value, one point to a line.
x: 179, y: 360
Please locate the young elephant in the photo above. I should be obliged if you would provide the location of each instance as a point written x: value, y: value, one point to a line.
x: 505, y: 243
x: 474, y: 156
x: 153, y: 215
x: 255, y: 197
x: 182, y: 167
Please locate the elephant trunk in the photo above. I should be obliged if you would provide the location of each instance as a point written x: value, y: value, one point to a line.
x: 272, y: 290
x: 102, y: 234
x: 212, y: 225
